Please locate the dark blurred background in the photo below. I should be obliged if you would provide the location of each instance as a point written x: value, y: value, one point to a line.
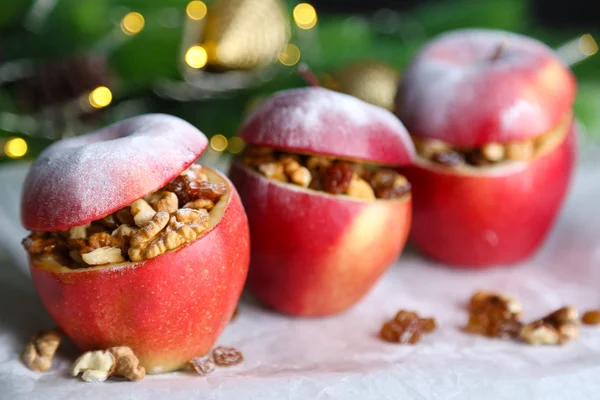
x: 70, y: 66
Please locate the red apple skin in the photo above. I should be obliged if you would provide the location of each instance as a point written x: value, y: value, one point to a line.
x: 463, y: 90
x: 315, y: 254
x: 168, y: 309
x: 490, y: 219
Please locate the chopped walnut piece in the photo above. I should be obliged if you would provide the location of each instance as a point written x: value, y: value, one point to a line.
x: 493, y: 152
x: 199, y: 204
x: 428, y: 148
x: 78, y: 232
x: 95, y: 366
x: 256, y: 155
x: 406, y: 327
x: 39, y: 245
x: 520, y: 151
x: 202, y: 365
x: 163, y: 201
x: 182, y: 227
x: 360, y: 189
x: 142, y: 212
x: 539, y: 332
x: 591, y: 317
x: 103, y: 239
x: 124, y: 231
x: 227, y: 356
x: 103, y: 256
x: 559, y: 327
x: 110, y: 222
x: 316, y: 162
x: 195, y: 173
x: 124, y: 216
x: 273, y: 170
x: 380, y: 179
x: 150, y: 230
x: 494, y: 315
x: 297, y: 173
x: 40, y: 350
x: 127, y: 364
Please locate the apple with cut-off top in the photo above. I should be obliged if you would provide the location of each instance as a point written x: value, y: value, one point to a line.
x: 168, y: 309
x: 314, y: 253
x: 488, y: 90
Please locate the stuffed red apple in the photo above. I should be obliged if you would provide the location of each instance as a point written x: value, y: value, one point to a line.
x: 491, y: 116
x: 134, y: 245
x: 326, y: 219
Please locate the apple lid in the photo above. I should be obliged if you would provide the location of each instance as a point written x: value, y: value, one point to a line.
x: 471, y: 87
x: 314, y: 120
x: 85, y: 178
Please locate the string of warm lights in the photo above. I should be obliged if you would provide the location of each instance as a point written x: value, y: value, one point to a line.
x: 220, y: 143
x: 578, y: 49
x: 196, y: 56
x: 305, y: 16
x: 15, y: 147
x: 100, y: 97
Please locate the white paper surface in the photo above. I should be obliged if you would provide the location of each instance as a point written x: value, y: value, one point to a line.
x: 341, y: 357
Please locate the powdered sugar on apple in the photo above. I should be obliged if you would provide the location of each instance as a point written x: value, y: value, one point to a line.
x: 320, y: 121
x: 85, y: 178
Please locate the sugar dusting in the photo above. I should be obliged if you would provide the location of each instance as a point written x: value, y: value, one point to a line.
x: 319, y: 120
x: 85, y: 178
x: 453, y: 91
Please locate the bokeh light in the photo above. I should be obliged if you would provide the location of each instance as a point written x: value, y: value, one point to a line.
x: 290, y: 55
x: 588, y: 45
x: 100, y: 97
x: 15, y: 148
x: 132, y: 23
x: 305, y: 16
x: 196, y: 10
x: 196, y: 57
x: 236, y: 145
x: 219, y: 142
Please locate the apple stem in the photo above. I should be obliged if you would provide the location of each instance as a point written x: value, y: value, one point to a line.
x: 308, y: 76
x: 499, y: 50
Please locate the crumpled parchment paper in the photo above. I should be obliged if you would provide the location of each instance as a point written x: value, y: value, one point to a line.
x: 341, y: 357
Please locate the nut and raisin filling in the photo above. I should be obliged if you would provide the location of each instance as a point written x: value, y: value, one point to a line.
x: 491, y: 154
x: 327, y: 174
x: 162, y: 221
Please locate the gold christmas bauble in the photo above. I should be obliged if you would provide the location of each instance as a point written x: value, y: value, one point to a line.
x: 245, y: 34
x: 372, y: 81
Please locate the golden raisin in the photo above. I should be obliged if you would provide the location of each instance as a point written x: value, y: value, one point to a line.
x: 103, y: 239
x: 591, y: 317
x: 206, y: 190
x: 202, y: 365
x: 227, y: 356
x: 493, y: 315
x: 337, y: 177
x: 179, y: 186
x: 406, y: 327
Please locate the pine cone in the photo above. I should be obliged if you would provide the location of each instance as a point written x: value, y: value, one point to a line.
x: 59, y: 81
